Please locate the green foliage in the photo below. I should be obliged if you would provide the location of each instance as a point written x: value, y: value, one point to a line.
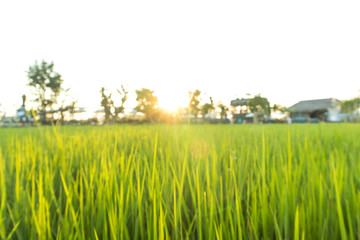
x: 120, y: 109
x: 223, y: 109
x: 207, y: 107
x: 65, y: 105
x: 180, y: 182
x: 278, y: 107
x: 147, y: 103
x: 259, y: 104
x: 106, y: 103
x: 349, y: 106
x: 194, y: 102
x: 46, y: 84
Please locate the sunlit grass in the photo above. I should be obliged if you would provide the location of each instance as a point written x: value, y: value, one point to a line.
x: 178, y: 182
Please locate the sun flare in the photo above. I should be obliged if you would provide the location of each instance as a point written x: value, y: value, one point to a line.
x: 170, y: 102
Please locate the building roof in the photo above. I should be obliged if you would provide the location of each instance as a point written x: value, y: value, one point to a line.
x: 315, y: 105
x: 239, y: 102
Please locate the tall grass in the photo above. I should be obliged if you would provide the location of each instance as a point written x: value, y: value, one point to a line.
x: 178, y: 182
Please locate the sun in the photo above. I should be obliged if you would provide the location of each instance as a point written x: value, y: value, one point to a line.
x: 170, y: 103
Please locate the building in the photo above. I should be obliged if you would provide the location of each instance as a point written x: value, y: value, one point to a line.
x: 238, y: 116
x: 316, y: 110
x: 239, y: 102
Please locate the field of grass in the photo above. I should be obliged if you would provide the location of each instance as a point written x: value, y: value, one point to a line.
x: 178, y: 182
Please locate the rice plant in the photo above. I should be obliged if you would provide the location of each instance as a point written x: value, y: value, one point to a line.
x: 181, y: 182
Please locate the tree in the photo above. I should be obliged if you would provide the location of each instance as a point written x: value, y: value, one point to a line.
x: 66, y: 107
x: 259, y: 106
x: 23, y: 100
x: 106, y: 103
x: 46, y: 84
x: 349, y: 106
x: 223, y: 110
x: 278, y: 107
x: 275, y: 107
x: 194, y: 102
x: 120, y: 108
x: 147, y: 103
x: 71, y: 109
x: 207, y: 107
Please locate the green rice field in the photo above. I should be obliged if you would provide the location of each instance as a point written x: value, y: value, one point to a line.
x: 181, y: 182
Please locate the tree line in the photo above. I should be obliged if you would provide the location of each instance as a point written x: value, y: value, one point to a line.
x: 47, y: 86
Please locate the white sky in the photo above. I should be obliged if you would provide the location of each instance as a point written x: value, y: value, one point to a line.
x: 285, y: 50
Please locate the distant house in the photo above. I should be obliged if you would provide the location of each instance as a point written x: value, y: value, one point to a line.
x: 21, y: 114
x: 241, y: 115
x: 316, y: 110
x: 239, y: 102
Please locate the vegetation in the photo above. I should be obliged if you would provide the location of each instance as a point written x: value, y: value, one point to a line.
x: 194, y: 102
x: 223, y: 110
x: 110, y: 109
x: 69, y: 107
x: 207, y: 107
x: 260, y: 106
x: 180, y: 182
x: 106, y: 103
x: 278, y: 107
x: 46, y: 84
x: 147, y: 103
x: 47, y: 87
x: 120, y: 109
x: 350, y: 105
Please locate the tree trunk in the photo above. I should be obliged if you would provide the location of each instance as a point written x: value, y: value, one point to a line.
x: 255, y: 118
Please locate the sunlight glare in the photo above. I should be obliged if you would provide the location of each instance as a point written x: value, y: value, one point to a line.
x: 170, y: 102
